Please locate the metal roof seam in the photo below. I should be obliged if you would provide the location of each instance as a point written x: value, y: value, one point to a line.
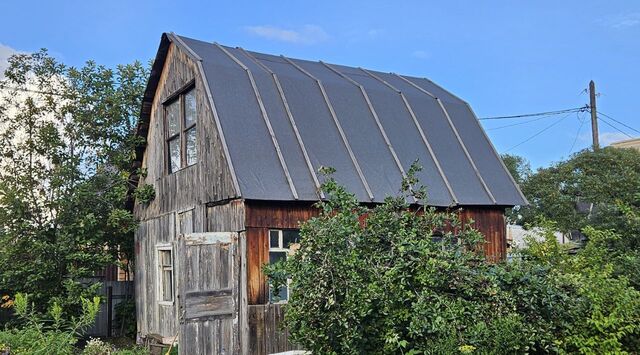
x: 180, y: 43
x: 376, y: 119
x: 301, y: 102
x: 466, y: 152
x: 454, y: 198
x: 305, y: 154
x: 457, y: 135
x: 216, y: 119
x: 447, y: 91
x: 265, y: 117
x: 337, y: 123
x: 524, y: 198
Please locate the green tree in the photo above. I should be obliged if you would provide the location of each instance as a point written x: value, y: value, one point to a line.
x: 598, y: 189
x: 66, y: 140
x: 518, y: 167
x: 586, y: 189
x: 392, y: 279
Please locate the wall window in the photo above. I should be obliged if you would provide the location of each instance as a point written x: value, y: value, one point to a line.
x: 165, y: 274
x: 282, y: 243
x: 181, y: 116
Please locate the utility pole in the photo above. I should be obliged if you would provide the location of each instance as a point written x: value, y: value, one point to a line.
x: 594, y: 115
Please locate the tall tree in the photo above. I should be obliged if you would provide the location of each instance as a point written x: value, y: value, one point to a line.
x: 598, y: 190
x: 66, y: 139
x: 586, y: 189
x: 518, y: 167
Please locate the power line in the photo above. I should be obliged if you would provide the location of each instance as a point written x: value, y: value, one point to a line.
x: 517, y: 124
x: 582, y: 120
x: 538, y: 133
x: 616, y: 128
x: 548, y: 113
x: 621, y: 123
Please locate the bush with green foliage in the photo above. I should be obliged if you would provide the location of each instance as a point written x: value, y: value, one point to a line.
x: 608, y: 179
x: 373, y: 280
x: 98, y: 347
x: 49, y: 333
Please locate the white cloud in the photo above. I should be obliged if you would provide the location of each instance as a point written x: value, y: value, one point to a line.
x: 5, y: 53
x: 307, y: 34
x: 420, y: 54
x: 376, y: 32
x: 606, y: 138
x: 622, y: 21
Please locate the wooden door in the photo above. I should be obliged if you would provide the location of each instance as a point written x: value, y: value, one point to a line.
x: 207, y: 279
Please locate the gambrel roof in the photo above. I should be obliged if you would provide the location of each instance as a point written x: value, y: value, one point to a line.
x: 281, y: 119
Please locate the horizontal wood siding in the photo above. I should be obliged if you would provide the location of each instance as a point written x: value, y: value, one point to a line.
x: 266, y: 334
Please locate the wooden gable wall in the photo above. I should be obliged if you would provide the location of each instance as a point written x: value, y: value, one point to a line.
x: 206, y: 181
x: 181, y: 197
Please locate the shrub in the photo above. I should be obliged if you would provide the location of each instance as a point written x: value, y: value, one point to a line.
x: 375, y: 281
x: 97, y: 347
x: 49, y: 333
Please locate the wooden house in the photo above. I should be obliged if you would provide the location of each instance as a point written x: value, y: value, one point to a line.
x: 234, y: 140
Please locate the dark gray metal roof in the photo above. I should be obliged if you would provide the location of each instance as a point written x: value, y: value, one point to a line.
x: 282, y: 119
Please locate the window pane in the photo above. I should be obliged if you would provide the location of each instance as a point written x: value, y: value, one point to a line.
x: 174, y: 154
x: 190, y: 108
x: 165, y: 258
x: 275, y: 256
x: 289, y: 237
x: 274, y: 239
x: 167, y: 285
x: 192, y: 150
x: 282, y: 294
x: 173, y: 117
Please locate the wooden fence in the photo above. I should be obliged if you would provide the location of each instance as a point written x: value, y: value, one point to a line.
x: 112, y: 292
x: 266, y: 335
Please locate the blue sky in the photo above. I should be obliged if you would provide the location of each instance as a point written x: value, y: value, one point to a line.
x: 503, y: 57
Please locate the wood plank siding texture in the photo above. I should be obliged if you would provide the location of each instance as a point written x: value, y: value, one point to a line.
x: 220, y: 296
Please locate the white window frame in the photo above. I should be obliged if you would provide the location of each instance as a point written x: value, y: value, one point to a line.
x: 160, y: 271
x: 280, y: 249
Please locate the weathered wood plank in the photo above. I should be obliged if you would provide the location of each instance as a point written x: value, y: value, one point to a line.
x: 266, y: 335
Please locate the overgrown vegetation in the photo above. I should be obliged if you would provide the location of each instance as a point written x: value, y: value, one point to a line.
x: 592, y: 190
x: 66, y: 146
x: 50, y: 333
x: 374, y: 281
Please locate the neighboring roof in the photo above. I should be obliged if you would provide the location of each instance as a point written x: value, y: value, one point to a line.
x: 281, y: 119
x: 629, y: 143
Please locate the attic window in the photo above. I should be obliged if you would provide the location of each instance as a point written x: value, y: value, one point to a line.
x: 181, y: 116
